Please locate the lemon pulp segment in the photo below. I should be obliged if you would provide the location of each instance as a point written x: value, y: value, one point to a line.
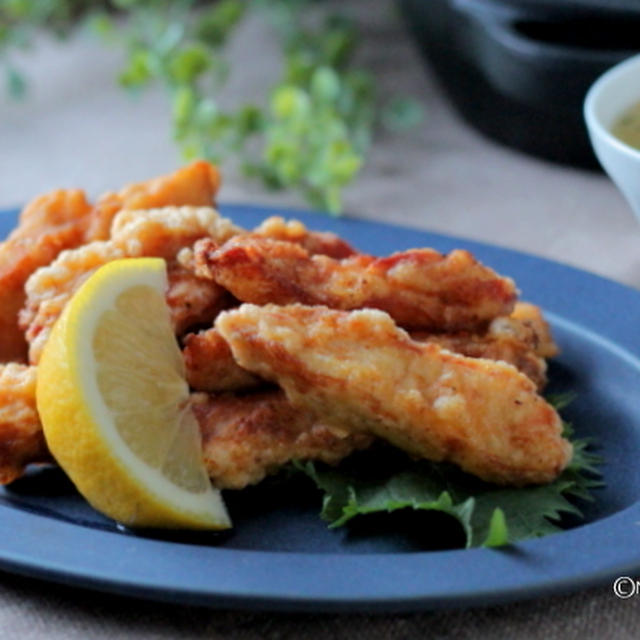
x: 113, y: 400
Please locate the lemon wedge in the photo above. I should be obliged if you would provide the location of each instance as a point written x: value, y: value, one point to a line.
x: 113, y: 402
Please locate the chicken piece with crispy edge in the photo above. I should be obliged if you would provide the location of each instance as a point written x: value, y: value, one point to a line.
x: 360, y: 371
x: 532, y: 327
x: 209, y: 363
x: 46, y: 226
x: 169, y: 233
x: 191, y: 300
x: 315, y: 242
x: 419, y: 288
x: 153, y: 232
x: 244, y: 437
x: 64, y: 219
x: 521, y: 339
x: 195, y: 185
x: 21, y: 437
x: 210, y: 366
x: 247, y: 437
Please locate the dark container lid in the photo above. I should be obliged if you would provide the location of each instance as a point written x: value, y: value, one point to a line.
x: 518, y: 70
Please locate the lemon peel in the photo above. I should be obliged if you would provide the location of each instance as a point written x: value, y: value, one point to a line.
x: 114, y: 404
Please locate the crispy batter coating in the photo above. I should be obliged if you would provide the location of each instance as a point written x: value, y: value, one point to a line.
x: 193, y: 302
x: 522, y: 339
x: 46, y: 226
x: 195, y: 185
x: 315, y: 242
x: 360, y: 371
x: 244, y: 437
x: 154, y: 232
x: 21, y: 438
x: 247, y: 437
x: 348, y: 377
x: 164, y: 232
x: 210, y: 365
x: 64, y: 219
x: 419, y: 288
x: 530, y: 325
x: 50, y: 287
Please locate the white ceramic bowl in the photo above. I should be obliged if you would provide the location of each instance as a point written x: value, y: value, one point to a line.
x: 614, y: 92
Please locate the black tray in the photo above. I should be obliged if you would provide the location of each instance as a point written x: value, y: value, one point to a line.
x: 518, y: 70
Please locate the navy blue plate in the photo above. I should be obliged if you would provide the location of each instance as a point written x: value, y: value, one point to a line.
x: 281, y: 556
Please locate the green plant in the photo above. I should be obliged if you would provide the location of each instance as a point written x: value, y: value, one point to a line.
x: 312, y: 132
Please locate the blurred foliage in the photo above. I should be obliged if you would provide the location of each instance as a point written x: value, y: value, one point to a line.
x: 314, y: 129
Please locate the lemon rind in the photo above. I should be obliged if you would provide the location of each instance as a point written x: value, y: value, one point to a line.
x: 155, y: 500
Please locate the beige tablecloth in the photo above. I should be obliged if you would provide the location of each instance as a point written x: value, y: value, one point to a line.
x: 77, y: 129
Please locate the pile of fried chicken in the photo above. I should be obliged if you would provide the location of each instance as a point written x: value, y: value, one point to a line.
x: 296, y: 345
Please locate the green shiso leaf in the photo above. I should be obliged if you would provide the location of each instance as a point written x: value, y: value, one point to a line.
x: 498, y: 531
x: 385, y: 480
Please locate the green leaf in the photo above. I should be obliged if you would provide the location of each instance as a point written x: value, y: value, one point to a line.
x: 498, y: 534
x: 325, y: 85
x: 184, y: 102
x: 384, y: 480
x: 215, y: 24
x: 289, y: 102
x: 16, y: 9
x: 319, y: 116
x: 102, y: 25
x: 347, y: 496
x: 249, y: 120
x: 189, y: 63
x: 138, y: 70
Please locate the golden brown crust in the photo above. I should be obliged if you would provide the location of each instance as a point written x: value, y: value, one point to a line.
x: 195, y: 185
x: 21, y: 438
x: 535, y: 329
x: 162, y: 233
x: 522, y: 339
x: 512, y: 339
x: 47, y: 225
x: 50, y: 287
x: 486, y: 346
x: 360, y: 371
x: 247, y: 437
x: 193, y: 302
x: 166, y: 231
x: 64, y: 219
x: 315, y: 242
x: 419, y: 288
x: 210, y: 365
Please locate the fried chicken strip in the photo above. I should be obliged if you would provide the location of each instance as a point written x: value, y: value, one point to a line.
x: 419, y: 288
x: 210, y: 365
x: 153, y: 232
x: 244, y: 438
x: 195, y: 185
x: 315, y: 242
x: 64, y: 219
x: 522, y: 339
x: 530, y: 325
x: 21, y: 438
x: 360, y: 371
x: 46, y: 226
x: 247, y: 437
x: 166, y: 233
